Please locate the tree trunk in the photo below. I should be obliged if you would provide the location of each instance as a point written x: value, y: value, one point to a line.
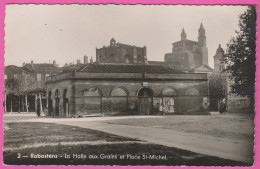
x: 11, y: 110
x: 35, y: 103
x: 22, y: 104
x: 26, y: 103
x: 218, y: 104
x: 5, y: 104
x: 19, y: 104
x: 40, y: 98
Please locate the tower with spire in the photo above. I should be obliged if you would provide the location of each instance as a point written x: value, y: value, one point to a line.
x: 202, y: 46
x: 202, y: 36
x: 188, y: 54
x: 183, y: 34
x: 219, y: 60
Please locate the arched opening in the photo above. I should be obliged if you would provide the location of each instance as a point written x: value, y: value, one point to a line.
x: 191, y: 101
x: 128, y: 59
x: 93, y: 100
x: 100, y: 59
x: 119, y: 101
x: 169, y: 100
x: 139, y: 59
x: 112, y: 58
x: 112, y: 42
x: 65, y: 103
x: 57, y: 102
x: 192, y: 92
x: 145, y: 101
x: 50, y: 108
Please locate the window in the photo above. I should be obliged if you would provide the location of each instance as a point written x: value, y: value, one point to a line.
x: 92, y: 92
x: 39, y: 77
x: 139, y: 59
x: 169, y: 92
x: 192, y: 92
x: 15, y: 76
x: 126, y: 60
x: 57, y: 93
x: 118, y: 91
x: 5, y: 76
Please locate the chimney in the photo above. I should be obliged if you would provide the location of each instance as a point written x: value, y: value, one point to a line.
x: 54, y: 63
x: 85, y: 59
x: 23, y: 63
x: 78, y: 61
x: 91, y: 60
x: 32, y: 62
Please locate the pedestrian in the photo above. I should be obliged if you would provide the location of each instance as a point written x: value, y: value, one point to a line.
x: 222, y: 106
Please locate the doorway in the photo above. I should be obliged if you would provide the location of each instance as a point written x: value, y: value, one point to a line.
x: 65, y: 103
x: 145, y: 101
x: 50, y: 111
x: 57, y: 103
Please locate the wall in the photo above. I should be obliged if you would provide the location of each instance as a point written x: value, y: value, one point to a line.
x: 90, y: 93
x: 61, y: 86
x: 180, y: 60
x: 118, y: 54
x: 238, y: 105
x: 185, y: 103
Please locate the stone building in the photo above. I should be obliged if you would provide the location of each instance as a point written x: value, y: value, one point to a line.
x: 121, y: 53
x: 113, y: 86
x: 37, y: 71
x: 187, y: 54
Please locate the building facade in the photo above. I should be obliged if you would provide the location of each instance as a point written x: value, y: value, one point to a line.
x: 122, y: 81
x: 121, y: 53
x: 106, y: 88
x: 35, y: 73
x: 187, y: 54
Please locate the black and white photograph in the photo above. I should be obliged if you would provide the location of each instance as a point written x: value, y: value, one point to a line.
x: 129, y: 85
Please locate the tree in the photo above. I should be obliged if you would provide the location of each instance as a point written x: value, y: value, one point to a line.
x: 28, y: 81
x: 217, y: 88
x: 19, y: 86
x: 240, y: 57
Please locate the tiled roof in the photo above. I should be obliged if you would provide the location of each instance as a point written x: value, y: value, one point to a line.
x: 73, y: 67
x: 42, y: 68
x: 128, y: 68
x: 26, y: 69
x: 203, y: 65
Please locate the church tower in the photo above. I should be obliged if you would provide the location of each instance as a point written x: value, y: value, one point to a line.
x: 202, y: 47
x: 218, y: 60
x: 183, y: 35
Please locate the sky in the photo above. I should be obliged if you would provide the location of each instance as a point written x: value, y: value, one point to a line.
x: 65, y: 33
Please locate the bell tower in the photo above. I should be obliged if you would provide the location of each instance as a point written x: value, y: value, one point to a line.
x: 218, y: 60
x: 112, y: 42
x: 183, y: 34
x: 202, y: 46
x: 202, y: 36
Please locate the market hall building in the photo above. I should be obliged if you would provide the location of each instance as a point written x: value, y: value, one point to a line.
x: 125, y: 86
